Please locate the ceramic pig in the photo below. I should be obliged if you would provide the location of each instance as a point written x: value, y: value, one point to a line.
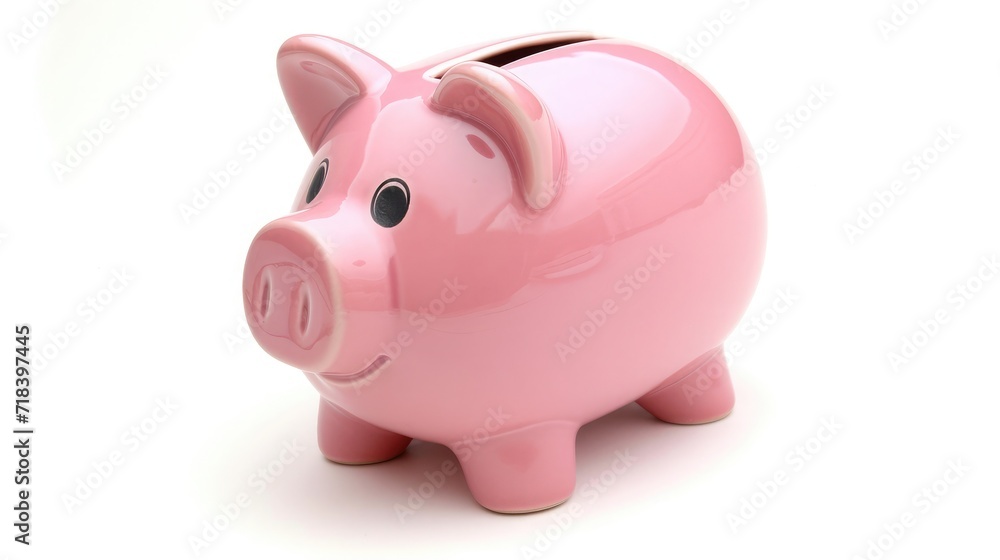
x: 494, y: 247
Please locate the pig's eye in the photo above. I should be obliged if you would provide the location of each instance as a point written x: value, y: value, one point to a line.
x: 318, y: 179
x: 391, y: 200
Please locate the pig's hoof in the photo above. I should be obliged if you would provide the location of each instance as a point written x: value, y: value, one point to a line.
x: 346, y: 439
x: 529, y: 469
x: 699, y: 393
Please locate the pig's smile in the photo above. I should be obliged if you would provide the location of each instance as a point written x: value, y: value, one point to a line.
x: 370, y: 370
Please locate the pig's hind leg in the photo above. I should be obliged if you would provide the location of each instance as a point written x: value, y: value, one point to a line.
x: 698, y: 393
x: 344, y: 438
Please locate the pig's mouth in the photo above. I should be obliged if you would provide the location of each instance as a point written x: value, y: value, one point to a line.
x: 370, y: 370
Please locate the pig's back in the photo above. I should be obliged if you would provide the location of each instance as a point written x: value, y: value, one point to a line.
x: 644, y: 137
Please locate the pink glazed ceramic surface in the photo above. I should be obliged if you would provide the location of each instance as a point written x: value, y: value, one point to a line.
x: 496, y: 246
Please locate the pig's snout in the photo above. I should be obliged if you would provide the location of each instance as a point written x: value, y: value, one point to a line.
x: 281, y: 301
x: 290, y: 296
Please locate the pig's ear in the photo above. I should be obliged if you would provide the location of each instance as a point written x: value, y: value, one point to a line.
x: 321, y: 76
x: 503, y: 103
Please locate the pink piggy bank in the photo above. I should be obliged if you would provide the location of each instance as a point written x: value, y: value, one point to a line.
x: 496, y: 246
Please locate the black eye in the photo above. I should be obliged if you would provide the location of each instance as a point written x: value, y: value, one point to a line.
x: 391, y: 200
x: 318, y: 179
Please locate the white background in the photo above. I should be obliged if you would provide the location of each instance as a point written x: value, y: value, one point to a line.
x: 174, y: 333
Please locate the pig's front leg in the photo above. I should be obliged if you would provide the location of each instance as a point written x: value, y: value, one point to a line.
x: 344, y: 438
x: 528, y: 469
x: 699, y: 393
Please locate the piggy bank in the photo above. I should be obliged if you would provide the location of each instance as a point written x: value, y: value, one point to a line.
x: 496, y: 246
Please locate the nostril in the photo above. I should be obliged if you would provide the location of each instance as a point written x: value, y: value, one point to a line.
x: 304, y: 310
x: 264, y: 303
